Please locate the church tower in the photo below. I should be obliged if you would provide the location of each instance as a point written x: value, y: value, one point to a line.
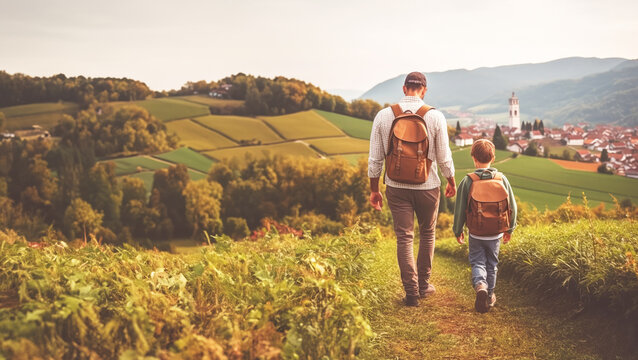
x: 515, y: 115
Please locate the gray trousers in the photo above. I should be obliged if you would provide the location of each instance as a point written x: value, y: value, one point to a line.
x: 404, y: 203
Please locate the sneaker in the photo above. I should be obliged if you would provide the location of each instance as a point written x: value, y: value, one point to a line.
x: 481, y: 303
x: 492, y: 300
x: 411, y: 300
x: 429, y: 290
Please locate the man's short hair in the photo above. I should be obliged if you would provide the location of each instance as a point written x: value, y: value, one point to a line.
x: 483, y: 151
x: 415, y: 80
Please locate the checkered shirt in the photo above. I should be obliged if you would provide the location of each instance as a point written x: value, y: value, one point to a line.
x: 439, y: 149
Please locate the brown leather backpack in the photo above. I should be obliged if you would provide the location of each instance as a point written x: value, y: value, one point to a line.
x: 488, y: 210
x: 406, y: 160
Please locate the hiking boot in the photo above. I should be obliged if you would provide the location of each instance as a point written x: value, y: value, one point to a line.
x: 491, y: 300
x: 481, y: 304
x: 411, y: 300
x: 429, y: 291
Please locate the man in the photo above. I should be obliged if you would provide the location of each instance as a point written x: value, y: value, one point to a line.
x: 406, y: 199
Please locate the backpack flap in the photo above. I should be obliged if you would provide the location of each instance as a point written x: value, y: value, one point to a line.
x: 410, y: 130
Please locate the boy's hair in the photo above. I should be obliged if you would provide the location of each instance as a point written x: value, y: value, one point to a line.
x: 483, y: 151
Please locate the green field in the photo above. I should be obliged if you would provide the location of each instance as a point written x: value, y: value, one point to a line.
x: 46, y: 115
x: 352, y: 126
x: 340, y: 145
x: 209, y: 101
x: 302, y: 125
x: 544, y: 181
x: 136, y: 164
x: 166, y: 109
x: 463, y: 159
x: 352, y: 158
x: 288, y: 148
x: 198, y: 137
x: 188, y: 157
x: 240, y: 128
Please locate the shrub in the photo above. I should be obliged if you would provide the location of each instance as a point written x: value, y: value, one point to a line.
x: 236, y: 228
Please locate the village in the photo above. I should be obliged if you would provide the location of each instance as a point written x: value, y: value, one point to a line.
x: 614, y: 146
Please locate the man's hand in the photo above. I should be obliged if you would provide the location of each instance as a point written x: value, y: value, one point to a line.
x: 376, y: 200
x: 459, y: 239
x: 506, y: 237
x: 450, y: 188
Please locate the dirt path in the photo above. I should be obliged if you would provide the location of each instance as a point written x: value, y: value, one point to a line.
x: 446, y: 326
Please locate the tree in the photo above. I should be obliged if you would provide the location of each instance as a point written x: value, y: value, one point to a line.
x: 604, y: 169
x: 567, y: 155
x: 203, y: 206
x: 546, y: 151
x: 3, y: 121
x: 80, y: 218
x: 458, y: 128
x: 499, y: 139
x: 100, y: 188
x: 168, y: 198
x: 236, y: 228
x: 532, y: 149
x: 535, y: 126
x: 604, y: 156
x: 541, y: 128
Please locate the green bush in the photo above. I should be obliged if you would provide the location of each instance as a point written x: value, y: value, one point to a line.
x: 593, y: 260
x: 236, y: 228
x: 277, y: 297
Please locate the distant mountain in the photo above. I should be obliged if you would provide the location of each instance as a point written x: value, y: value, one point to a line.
x: 609, y: 97
x: 466, y: 87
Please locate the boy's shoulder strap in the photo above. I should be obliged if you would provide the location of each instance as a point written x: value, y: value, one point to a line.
x: 498, y: 176
x: 474, y: 177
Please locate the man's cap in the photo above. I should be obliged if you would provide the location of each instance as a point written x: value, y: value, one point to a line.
x: 415, y: 78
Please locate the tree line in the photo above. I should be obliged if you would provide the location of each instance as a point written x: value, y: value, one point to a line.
x: 279, y: 95
x: 18, y: 89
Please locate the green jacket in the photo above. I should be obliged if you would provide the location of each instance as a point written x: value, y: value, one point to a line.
x: 464, y: 190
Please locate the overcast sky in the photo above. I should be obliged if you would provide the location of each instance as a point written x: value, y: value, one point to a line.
x: 331, y: 43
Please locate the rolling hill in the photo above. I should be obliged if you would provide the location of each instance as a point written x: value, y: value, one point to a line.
x: 465, y: 87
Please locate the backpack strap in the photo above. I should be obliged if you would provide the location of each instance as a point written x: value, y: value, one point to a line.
x: 474, y: 177
x: 396, y: 109
x: 423, y: 110
x: 498, y: 176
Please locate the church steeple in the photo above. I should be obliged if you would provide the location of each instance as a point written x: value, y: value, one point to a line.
x: 515, y: 115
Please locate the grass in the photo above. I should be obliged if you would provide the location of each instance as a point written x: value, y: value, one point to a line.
x: 355, y: 127
x: 549, y: 172
x: 166, y: 109
x: 280, y: 297
x: 214, y: 102
x: 240, y: 128
x: 135, y: 164
x: 46, y: 115
x: 188, y: 157
x: 288, y: 148
x: 198, y: 137
x: 352, y: 158
x: 302, y: 125
x: 523, y: 325
x: 340, y: 145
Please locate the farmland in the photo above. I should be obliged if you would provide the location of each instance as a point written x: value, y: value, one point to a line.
x: 134, y: 164
x: 295, y: 148
x: 302, y: 125
x: 198, y: 137
x: 577, y: 165
x: 352, y: 126
x: 340, y: 145
x: 188, y: 157
x: 214, y: 102
x: 166, y: 109
x: 240, y: 128
x: 46, y: 115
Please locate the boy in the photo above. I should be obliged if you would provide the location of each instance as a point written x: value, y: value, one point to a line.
x: 485, y: 202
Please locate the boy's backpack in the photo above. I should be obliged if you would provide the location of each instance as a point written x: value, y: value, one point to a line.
x: 406, y: 160
x: 488, y: 211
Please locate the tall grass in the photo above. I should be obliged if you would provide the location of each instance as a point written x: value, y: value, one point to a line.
x: 591, y: 259
x: 280, y: 296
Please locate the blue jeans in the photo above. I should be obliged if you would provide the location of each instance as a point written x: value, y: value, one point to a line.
x: 484, y: 261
